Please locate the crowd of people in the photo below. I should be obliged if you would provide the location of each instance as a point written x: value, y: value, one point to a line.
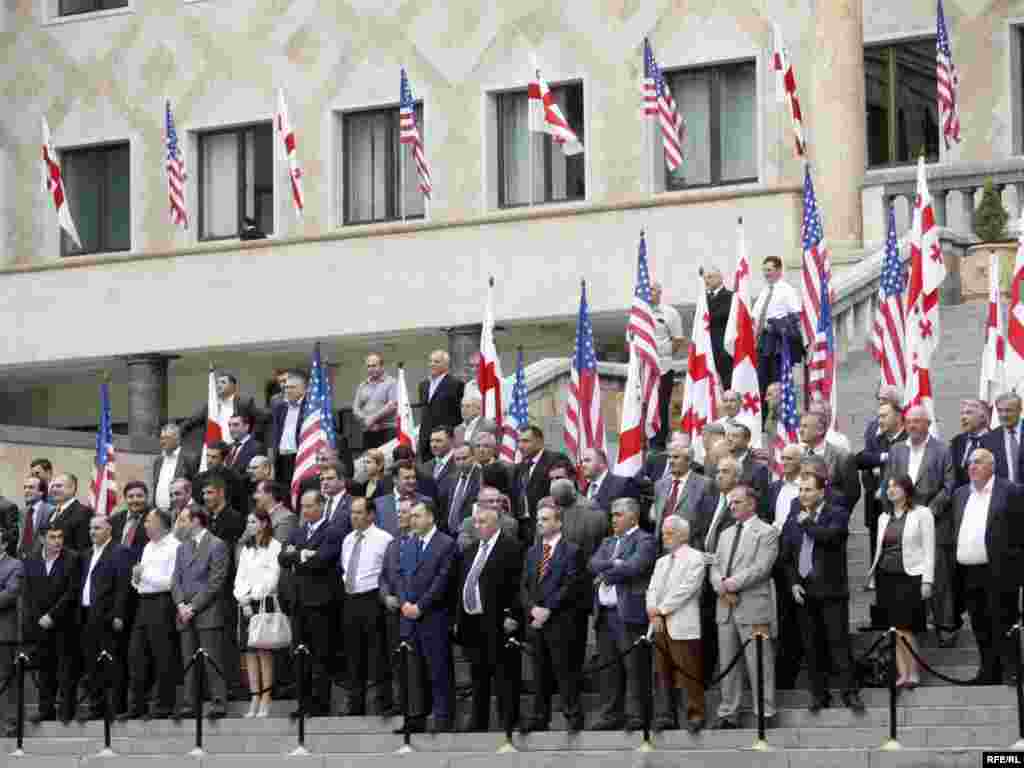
x: 445, y: 546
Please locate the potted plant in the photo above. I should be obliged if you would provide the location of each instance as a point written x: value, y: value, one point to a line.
x: 990, y: 219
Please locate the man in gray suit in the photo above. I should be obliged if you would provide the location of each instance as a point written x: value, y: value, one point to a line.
x: 12, y: 579
x: 741, y: 576
x: 200, y: 571
x: 928, y: 462
x: 682, y: 492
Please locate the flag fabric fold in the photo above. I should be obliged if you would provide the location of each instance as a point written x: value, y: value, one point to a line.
x: 488, y: 370
x: 545, y: 116
x: 103, y: 488
x: 406, y: 427
x: 214, y: 431
x: 1015, y: 321
x: 741, y: 344
x: 176, y: 175
x: 409, y: 133
x: 785, y: 89
x: 700, y: 398
x: 948, y: 81
x: 788, y: 422
x: 53, y: 182
x: 658, y: 103
x: 584, y: 424
x: 640, y: 335
x: 993, y: 359
x: 312, y: 435
x: 287, y: 134
x: 518, y: 417
x: 888, y: 334
x: 816, y: 292
x: 630, y: 459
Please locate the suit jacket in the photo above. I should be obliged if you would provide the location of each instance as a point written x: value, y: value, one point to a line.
x: 243, y: 404
x: 387, y: 512
x: 559, y: 590
x: 200, y: 579
x: 675, y: 591
x: 40, y: 522
x: 688, y: 502
x: 446, y: 497
x: 842, y: 474
x: 446, y: 471
x: 756, y: 474
x: 479, y: 424
x: 709, y: 527
x: 719, y: 305
x: 12, y: 582
x: 74, y: 521
x: 389, y: 575
x: 752, y: 562
x: 56, y: 594
x: 235, y: 493
x: 10, y: 517
x: 957, y: 448
x: 277, y: 419
x: 630, y: 577
x: 108, y: 586
x: 995, y: 441
x: 613, y: 487
x: 185, y: 467
x: 315, y: 581
x: 424, y: 579
x: 934, y: 486
x: 1004, y: 532
x: 444, y: 409
x: 342, y: 517
x: 828, y: 578
x: 529, y: 487
x: 250, y: 448
x: 499, y: 590
x: 141, y: 539
x: 655, y: 466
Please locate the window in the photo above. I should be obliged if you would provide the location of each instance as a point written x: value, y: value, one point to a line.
x: 557, y: 177
x: 71, y: 7
x: 236, y: 181
x: 902, y: 116
x: 98, y: 185
x: 381, y: 182
x: 719, y: 105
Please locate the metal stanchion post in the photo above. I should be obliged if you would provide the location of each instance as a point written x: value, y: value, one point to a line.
x: 761, y: 745
x: 1015, y: 634
x: 108, y: 703
x: 199, y: 659
x: 892, y: 742
x: 21, y: 660
x: 301, y: 671
x: 508, y: 694
x: 403, y: 651
x: 645, y: 649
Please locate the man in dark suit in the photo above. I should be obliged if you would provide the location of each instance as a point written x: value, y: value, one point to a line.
x: 32, y: 522
x: 235, y: 485
x: 405, y: 488
x: 988, y: 542
x: 681, y: 493
x: 69, y: 514
x: 602, y: 486
x: 201, y: 567
x: 441, y: 398
x: 844, y: 485
x: 719, y: 304
x: 171, y: 464
x: 441, y: 466
x: 622, y: 567
x: 752, y: 472
x: 312, y: 556
x: 974, y: 421
x: 103, y: 601
x: 550, y: 590
x: 530, y: 481
x: 458, y: 494
x: 244, y: 445
x: 128, y: 524
x: 488, y: 577
x: 230, y: 402
x: 286, y: 420
x: 1004, y: 441
x: 52, y: 592
x: 424, y: 590
x: 879, y: 438
x: 813, y: 552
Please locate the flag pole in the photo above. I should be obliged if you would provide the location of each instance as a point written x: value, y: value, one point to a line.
x: 402, y: 170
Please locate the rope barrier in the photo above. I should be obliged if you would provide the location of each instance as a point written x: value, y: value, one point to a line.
x: 925, y: 665
x: 706, y: 685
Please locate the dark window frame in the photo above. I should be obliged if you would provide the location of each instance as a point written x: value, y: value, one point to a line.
x: 714, y: 127
x: 98, y: 5
x: 392, y: 193
x: 257, y: 191
x: 65, y: 239
x: 889, y: 47
x: 546, y: 157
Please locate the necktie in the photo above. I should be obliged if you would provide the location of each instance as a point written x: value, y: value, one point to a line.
x: 673, y: 497
x: 764, y: 309
x: 420, y: 547
x: 732, y: 550
x: 233, y: 455
x: 330, y: 509
x: 806, y: 564
x: 545, y: 561
x: 129, y: 532
x: 1014, y: 455
x: 353, y: 564
x: 473, y: 579
x: 438, y: 468
x: 28, y: 529
x: 592, y: 490
x: 972, y: 443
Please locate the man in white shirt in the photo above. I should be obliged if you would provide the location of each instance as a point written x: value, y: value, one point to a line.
x: 287, y: 417
x: 359, y: 568
x: 987, y: 546
x: 668, y: 337
x: 152, y: 650
x: 776, y: 315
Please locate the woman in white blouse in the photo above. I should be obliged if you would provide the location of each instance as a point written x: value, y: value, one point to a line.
x: 904, y: 570
x: 256, y: 580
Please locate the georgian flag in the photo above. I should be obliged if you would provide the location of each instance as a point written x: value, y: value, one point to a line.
x: 53, y: 182
x: 406, y: 426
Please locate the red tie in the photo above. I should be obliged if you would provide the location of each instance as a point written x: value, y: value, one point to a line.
x: 129, y: 534
x: 28, y: 533
x: 544, y: 563
x: 673, y: 497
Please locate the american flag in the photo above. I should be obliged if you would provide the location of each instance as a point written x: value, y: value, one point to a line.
x: 329, y: 419
x: 409, y: 133
x: 785, y: 89
x: 312, y: 436
x: 640, y: 330
x: 287, y: 134
x: 888, y: 336
x: 823, y: 354
x: 175, y: 172
x: 584, y: 425
x: 103, y: 488
x: 817, y: 264
x: 53, y: 182
x: 518, y: 410
x: 658, y: 102
x: 787, y: 422
x: 948, y: 80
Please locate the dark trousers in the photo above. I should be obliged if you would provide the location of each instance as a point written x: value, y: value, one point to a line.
x: 365, y: 647
x: 152, y: 653
x: 665, y: 385
x: 490, y: 667
x: 434, y: 657
x: 53, y: 652
x: 419, y: 696
x: 311, y: 627
x: 8, y: 700
x: 553, y: 660
x: 625, y: 683
x: 790, y: 646
x: 284, y: 468
x: 767, y: 370
x: 100, y: 678
x: 212, y: 641
x: 825, y: 627
x: 992, y: 611
x: 377, y: 438
x: 709, y: 630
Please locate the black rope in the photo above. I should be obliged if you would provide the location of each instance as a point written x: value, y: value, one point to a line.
x: 925, y: 665
x: 705, y: 684
x: 874, y: 646
x: 10, y: 678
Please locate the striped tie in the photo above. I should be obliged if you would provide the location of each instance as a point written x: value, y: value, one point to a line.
x: 545, y: 561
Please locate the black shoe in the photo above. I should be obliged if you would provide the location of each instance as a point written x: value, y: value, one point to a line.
x: 817, y: 705
x: 134, y: 714
x: 217, y: 712
x: 609, y: 724
x: 388, y: 711
x: 354, y: 711
x: 10, y: 730
x: 853, y: 700
x: 634, y: 724
x: 727, y: 724
x: 664, y: 723
x: 416, y: 725
x: 573, y: 724
x: 42, y: 717
x: 161, y: 714
x: 471, y: 726
x: 442, y: 725
x: 769, y: 721
x: 186, y: 713
x: 534, y: 725
x: 695, y: 726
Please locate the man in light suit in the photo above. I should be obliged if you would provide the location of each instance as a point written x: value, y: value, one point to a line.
x: 200, y: 575
x: 441, y: 398
x: 681, y: 494
x: 622, y: 567
x: 673, y: 608
x: 741, y: 576
x: 928, y: 462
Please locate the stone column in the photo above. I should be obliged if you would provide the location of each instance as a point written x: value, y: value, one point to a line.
x: 837, y: 145
x: 464, y: 350
x: 147, y: 394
